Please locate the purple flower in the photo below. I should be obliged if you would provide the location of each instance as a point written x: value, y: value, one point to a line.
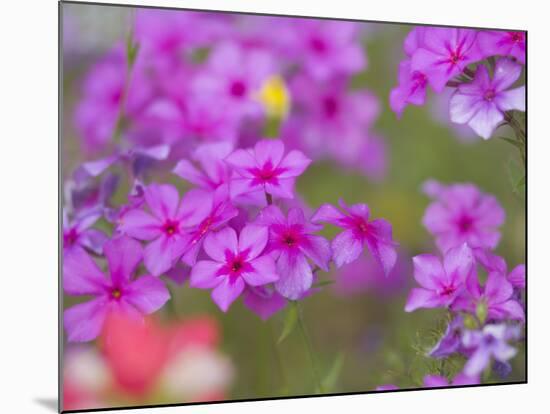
x: 168, y: 224
x: 482, y: 102
x: 490, y: 342
x: 517, y: 277
x: 78, y: 234
x: 496, y: 42
x: 461, y: 213
x: 451, y: 340
x: 264, y: 301
x: 411, y: 88
x: 265, y: 168
x: 358, y: 233
x: 236, y: 263
x: 213, y: 171
x: 235, y: 75
x: 434, y: 381
x: 326, y: 48
x: 221, y: 211
x: 441, y: 283
x: 292, y: 243
x: 103, y: 89
x: 330, y: 121
x: 444, y: 53
x: 496, y: 298
x: 118, y: 293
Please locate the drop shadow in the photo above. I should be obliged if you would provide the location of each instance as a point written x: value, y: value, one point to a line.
x: 49, y: 403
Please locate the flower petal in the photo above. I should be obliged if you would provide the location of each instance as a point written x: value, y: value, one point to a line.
x: 264, y: 272
x: 506, y: 73
x: 242, y: 161
x: 497, y: 288
x: 421, y: 298
x: 252, y: 240
x: 512, y: 99
x: 205, y: 274
x: 158, y: 256
x: 216, y: 244
x: 195, y: 206
x: 318, y: 249
x: 81, y: 276
x: 83, y: 322
x: 346, y: 248
x: 269, y: 152
x: 148, y: 294
x: 328, y: 213
x: 264, y: 302
x: 162, y: 199
x: 293, y: 164
x: 227, y: 292
x: 295, y: 276
x: 123, y: 255
x: 459, y: 263
x: 428, y: 271
x: 139, y: 224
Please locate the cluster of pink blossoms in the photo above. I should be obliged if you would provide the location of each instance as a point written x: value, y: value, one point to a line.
x: 239, y: 231
x: 483, y: 298
x: 480, y: 67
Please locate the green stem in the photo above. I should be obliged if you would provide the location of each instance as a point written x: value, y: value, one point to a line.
x: 309, y: 348
x: 285, y: 387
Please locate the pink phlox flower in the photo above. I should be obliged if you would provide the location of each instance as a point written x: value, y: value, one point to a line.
x: 359, y: 232
x: 119, y: 293
x: 236, y: 262
x: 292, y: 242
x: 482, y: 102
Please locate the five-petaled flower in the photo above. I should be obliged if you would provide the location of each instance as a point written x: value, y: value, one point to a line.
x: 292, y: 242
x: 118, y: 293
x: 168, y: 225
x: 266, y: 168
x: 236, y: 263
x: 441, y: 283
x: 359, y: 232
x: 461, y: 213
x: 482, y: 102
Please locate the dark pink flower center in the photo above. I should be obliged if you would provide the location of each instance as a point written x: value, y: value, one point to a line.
x: 516, y: 37
x: 237, y: 89
x: 116, y: 96
x: 465, y: 223
x: 330, y: 106
x: 170, y: 227
x: 455, y: 57
x: 235, y: 265
x: 70, y: 237
x: 489, y: 95
x: 447, y: 290
x: 318, y: 45
x: 266, y: 174
x: 419, y: 79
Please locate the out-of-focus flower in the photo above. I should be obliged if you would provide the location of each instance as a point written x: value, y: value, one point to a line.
x: 359, y: 232
x: 444, y: 53
x: 106, y: 97
x: 333, y: 122
x: 434, y: 381
x: 168, y: 225
x: 462, y: 213
x: 292, y: 242
x: 264, y: 301
x: 451, y: 340
x: 326, y: 48
x: 493, y: 301
x: 411, y: 88
x: 441, y: 282
x: 502, y: 43
x: 267, y: 169
x: 79, y: 234
x: 118, y: 293
x: 365, y: 275
x: 235, y: 76
x: 481, y: 103
x: 490, y: 342
x: 86, y: 376
x: 236, y: 263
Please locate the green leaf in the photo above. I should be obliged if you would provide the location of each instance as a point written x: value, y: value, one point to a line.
x: 512, y: 141
x: 291, y: 318
x: 332, y: 376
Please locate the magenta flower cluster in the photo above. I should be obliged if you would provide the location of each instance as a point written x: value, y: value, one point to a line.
x: 484, y: 300
x: 481, y: 67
